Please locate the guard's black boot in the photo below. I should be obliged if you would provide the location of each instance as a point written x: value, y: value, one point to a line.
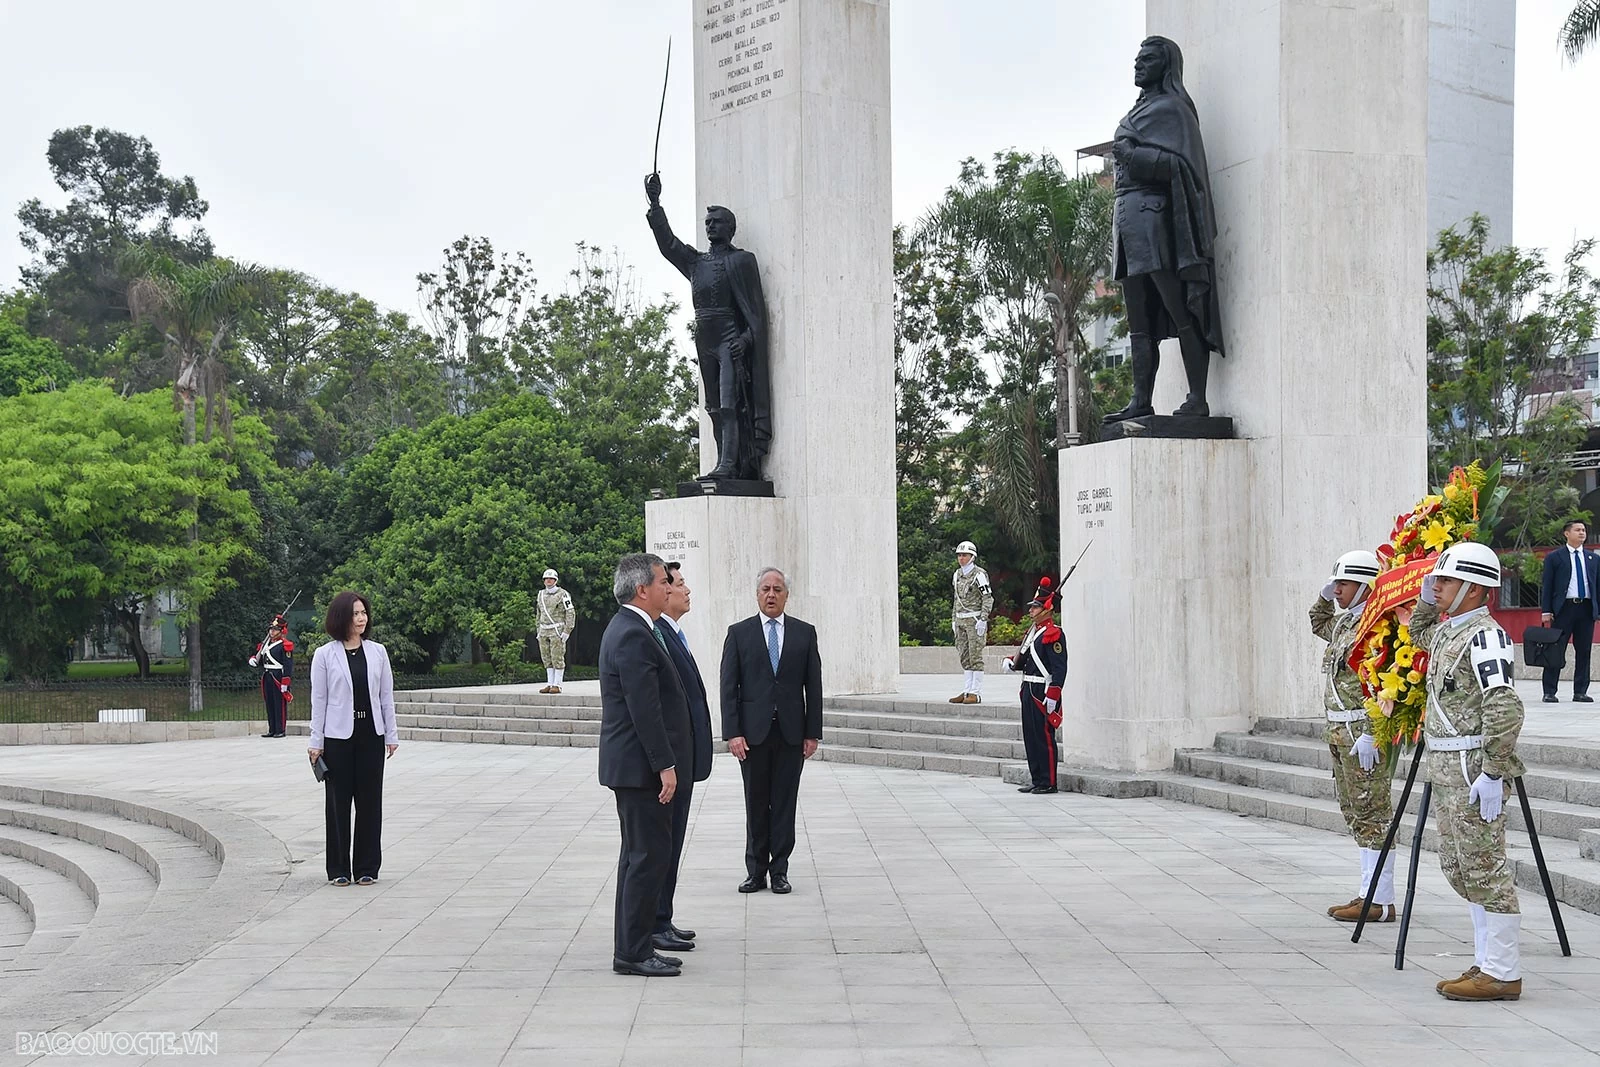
x: 1196, y: 365
x: 1142, y: 354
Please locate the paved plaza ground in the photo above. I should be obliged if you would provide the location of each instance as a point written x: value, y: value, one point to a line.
x: 937, y: 921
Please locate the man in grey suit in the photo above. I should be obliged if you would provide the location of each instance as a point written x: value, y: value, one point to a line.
x: 644, y: 725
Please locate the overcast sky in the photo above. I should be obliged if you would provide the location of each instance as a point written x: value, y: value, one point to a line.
x: 354, y: 140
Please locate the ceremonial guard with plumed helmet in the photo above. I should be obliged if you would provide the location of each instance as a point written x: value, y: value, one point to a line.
x: 1042, y: 662
x: 275, y: 659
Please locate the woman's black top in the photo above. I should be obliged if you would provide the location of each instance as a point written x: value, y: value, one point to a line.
x: 358, y: 680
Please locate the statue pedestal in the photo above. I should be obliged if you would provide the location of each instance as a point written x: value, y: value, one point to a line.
x: 724, y: 487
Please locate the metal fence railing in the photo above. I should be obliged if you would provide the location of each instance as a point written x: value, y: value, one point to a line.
x: 165, y: 698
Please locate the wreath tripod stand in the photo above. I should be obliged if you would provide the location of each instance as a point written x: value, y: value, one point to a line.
x: 1416, y: 854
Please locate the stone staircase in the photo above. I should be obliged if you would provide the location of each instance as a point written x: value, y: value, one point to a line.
x: 101, y: 896
x: 978, y: 739
x: 1282, y: 770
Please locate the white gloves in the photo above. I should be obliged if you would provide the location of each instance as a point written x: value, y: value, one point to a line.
x: 1428, y: 595
x: 1009, y: 665
x: 561, y: 634
x: 1327, y: 591
x: 1049, y: 706
x: 1366, y: 750
x: 1490, y: 793
x: 982, y: 626
x: 253, y: 661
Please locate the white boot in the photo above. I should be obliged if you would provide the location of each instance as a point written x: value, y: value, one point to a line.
x: 1385, y: 893
x: 1502, y: 951
x: 1369, y: 863
x: 558, y: 672
x: 975, y: 685
x: 1480, y: 933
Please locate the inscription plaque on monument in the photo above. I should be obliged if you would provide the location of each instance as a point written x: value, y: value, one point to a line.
x: 743, y: 48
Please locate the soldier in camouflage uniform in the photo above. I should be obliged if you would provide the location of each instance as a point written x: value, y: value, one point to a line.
x: 1363, y: 784
x: 1473, y: 719
x: 556, y: 620
x: 969, y: 619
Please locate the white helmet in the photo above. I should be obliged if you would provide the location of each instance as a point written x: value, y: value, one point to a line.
x: 551, y: 573
x: 966, y: 548
x: 1470, y: 561
x: 1358, y: 566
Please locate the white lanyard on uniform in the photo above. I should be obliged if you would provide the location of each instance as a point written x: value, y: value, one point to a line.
x: 1433, y: 705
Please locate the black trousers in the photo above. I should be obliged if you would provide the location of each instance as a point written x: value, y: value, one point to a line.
x: 1575, y: 621
x: 273, y: 696
x: 641, y: 869
x: 355, y: 773
x: 680, y: 830
x: 1038, y: 739
x: 771, y: 772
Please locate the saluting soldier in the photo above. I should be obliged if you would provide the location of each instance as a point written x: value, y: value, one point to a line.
x: 973, y: 600
x: 1474, y: 716
x: 1363, y: 785
x: 557, y: 617
x: 1042, y: 661
x: 275, y: 658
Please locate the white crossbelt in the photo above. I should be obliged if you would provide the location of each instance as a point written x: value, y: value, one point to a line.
x: 1454, y: 744
x: 969, y: 614
x: 1035, y: 679
x: 1346, y: 716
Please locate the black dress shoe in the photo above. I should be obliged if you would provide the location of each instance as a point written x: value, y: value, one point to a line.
x: 753, y: 884
x: 671, y: 943
x: 780, y: 884
x: 1583, y: 698
x: 1024, y: 788
x: 650, y: 968
x: 1043, y: 789
x: 680, y: 932
x: 670, y: 961
x: 1550, y: 698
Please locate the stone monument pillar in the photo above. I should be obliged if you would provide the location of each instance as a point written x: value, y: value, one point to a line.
x: 792, y: 134
x: 1188, y: 615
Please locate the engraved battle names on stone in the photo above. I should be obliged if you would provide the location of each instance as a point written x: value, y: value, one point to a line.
x: 743, y: 46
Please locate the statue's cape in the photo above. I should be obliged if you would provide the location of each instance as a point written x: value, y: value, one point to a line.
x: 1164, y: 121
x: 745, y: 281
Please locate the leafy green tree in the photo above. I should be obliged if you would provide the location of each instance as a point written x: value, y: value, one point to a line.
x: 117, y: 196
x: 98, y: 500
x: 472, y: 306
x: 608, y: 363
x: 1502, y: 330
x: 462, y: 517
x: 28, y: 364
x: 1581, y: 29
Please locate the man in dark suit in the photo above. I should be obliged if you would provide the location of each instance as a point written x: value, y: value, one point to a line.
x: 772, y: 721
x: 1567, y: 601
x: 668, y: 937
x: 644, y: 726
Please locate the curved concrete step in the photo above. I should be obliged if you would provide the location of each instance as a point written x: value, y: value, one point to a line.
x: 167, y: 855
x: 581, y: 712
x: 59, y: 908
x: 16, y: 926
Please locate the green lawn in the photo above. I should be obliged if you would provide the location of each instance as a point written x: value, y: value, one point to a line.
x: 123, y: 669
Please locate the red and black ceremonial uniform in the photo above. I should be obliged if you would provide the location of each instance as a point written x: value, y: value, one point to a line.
x: 275, y: 658
x: 1042, y: 662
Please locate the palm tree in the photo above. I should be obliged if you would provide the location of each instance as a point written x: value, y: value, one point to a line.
x: 1582, y: 28
x: 196, y: 306
x: 1038, y: 240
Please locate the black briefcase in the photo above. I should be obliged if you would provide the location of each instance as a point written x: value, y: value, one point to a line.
x: 1542, y: 647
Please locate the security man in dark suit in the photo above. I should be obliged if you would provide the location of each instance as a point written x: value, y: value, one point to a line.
x: 644, y: 727
x: 1567, y: 602
x: 772, y: 721
x: 668, y: 937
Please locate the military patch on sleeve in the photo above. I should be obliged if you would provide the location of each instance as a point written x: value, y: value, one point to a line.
x: 1492, y: 658
x: 1058, y: 647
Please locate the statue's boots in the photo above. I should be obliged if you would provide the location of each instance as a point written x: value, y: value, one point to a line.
x: 1142, y: 354
x: 1196, y: 366
x: 727, y: 446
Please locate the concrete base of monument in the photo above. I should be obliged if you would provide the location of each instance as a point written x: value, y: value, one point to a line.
x: 725, y: 487
x: 724, y: 542
x: 1157, y: 616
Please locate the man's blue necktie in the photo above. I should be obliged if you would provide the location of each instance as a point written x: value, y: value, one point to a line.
x: 1577, y: 563
x: 772, y: 643
x: 683, y: 640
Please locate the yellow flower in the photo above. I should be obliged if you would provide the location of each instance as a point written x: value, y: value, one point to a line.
x: 1413, y: 677
x: 1429, y: 501
x: 1436, y: 536
x: 1398, y: 560
x: 1404, y: 634
x: 1452, y: 492
x: 1404, y: 656
x: 1393, y: 682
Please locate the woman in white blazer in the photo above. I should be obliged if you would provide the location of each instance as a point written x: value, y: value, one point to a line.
x: 352, y: 724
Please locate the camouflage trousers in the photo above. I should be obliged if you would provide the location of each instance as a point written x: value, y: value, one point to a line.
x: 1472, y: 853
x: 1363, y: 795
x: 552, y: 650
x: 969, y: 645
